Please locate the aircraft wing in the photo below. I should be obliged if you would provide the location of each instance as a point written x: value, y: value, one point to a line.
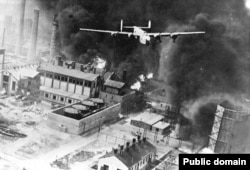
x: 107, y: 31
x: 174, y: 33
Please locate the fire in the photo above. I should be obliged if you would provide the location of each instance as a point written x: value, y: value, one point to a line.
x: 247, y: 3
x: 206, y: 150
x: 142, y: 78
x: 136, y: 86
x: 150, y: 75
x: 100, y: 63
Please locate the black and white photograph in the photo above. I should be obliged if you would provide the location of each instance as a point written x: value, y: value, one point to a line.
x: 124, y: 85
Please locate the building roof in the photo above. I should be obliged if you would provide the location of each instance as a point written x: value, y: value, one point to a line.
x: 161, y: 125
x: 134, y: 153
x: 115, y: 84
x: 107, y: 75
x: 24, y: 73
x: 68, y: 72
x: 63, y: 93
x: 149, y: 118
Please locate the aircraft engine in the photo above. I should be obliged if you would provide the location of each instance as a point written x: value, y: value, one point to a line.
x: 113, y: 34
x: 174, y: 37
x: 158, y: 38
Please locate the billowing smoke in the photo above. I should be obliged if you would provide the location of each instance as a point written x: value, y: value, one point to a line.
x: 195, y: 69
x: 200, y: 70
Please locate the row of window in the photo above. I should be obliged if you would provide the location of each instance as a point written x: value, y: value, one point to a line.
x: 142, y: 162
x: 71, y: 80
x: 58, y: 98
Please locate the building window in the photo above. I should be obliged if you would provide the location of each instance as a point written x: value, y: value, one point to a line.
x: 5, y: 78
x: 69, y: 101
x: 13, y: 86
x: 46, y: 95
x: 72, y: 80
x: 49, y: 75
x: 63, y: 78
x: 79, y: 82
x: 29, y: 83
x: 105, y: 167
x: 54, y: 97
x: 62, y: 99
x: 87, y: 83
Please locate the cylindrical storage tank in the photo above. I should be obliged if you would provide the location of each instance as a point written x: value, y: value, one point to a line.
x: 91, y: 105
x: 98, y: 101
x: 71, y: 112
x: 81, y: 108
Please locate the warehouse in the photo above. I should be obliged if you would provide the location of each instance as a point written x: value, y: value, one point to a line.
x: 146, y: 120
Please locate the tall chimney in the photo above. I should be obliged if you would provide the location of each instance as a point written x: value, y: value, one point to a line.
x: 20, y: 30
x: 34, y: 33
x: 53, y: 38
x: 124, y: 76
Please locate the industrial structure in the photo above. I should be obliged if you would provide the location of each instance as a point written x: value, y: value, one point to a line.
x: 83, y: 116
x: 69, y: 82
x: 115, y: 91
x: 24, y: 77
x: 136, y: 155
x: 227, y: 125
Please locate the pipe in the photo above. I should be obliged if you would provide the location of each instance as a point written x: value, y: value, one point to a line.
x: 34, y: 33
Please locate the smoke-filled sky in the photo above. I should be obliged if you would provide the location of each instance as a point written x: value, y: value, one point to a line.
x: 194, y: 68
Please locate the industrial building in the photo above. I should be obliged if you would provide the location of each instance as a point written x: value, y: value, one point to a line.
x: 170, y: 112
x: 83, y: 116
x: 152, y: 122
x: 23, y: 77
x: 228, y: 130
x: 136, y: 155
x: 69, y: 82
x: 115, y: 91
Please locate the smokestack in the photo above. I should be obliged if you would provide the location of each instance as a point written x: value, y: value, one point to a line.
x: 34, y: 33
x: 120, y: 149
x: 127, y: 145
x: 20, y: 30
x: 134, y: 141
x: 124, y: 75
x: 53, y: 38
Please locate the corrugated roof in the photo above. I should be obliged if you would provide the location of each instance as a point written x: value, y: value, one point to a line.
x: 134, y: 153
x: 112, y: 83
x: 68, y: 72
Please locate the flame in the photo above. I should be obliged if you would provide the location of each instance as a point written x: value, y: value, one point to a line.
x: 142, y: 78
x: 100, y: 63
x: 136, y: 86
x: 247, y: 4
x: 206, y: 150
x: 150, y: 75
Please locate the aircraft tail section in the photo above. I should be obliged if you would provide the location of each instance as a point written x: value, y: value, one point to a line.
x: 148, y: 27
x: 121, y: 25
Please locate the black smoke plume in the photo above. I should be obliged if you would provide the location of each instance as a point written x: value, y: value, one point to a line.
x: 195, y: 67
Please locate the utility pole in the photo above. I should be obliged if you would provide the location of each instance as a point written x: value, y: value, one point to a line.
x: 2, y: 52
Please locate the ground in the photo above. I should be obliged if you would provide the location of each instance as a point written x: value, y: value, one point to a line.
x: 46, y: 148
